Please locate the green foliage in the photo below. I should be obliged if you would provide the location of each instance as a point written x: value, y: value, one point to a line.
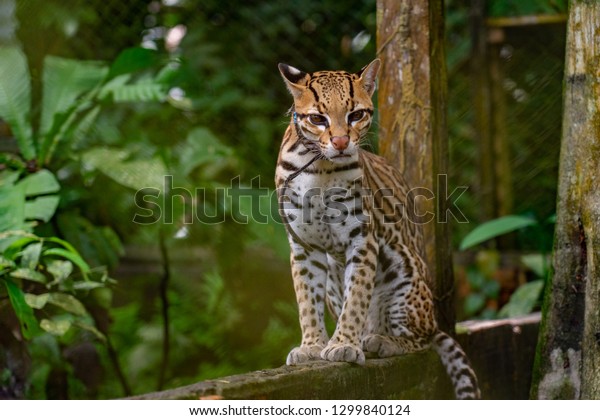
x: 206, y: 345
x: 135, y: 174
x: 67, y: 94
x: 523, y: 300
x: 494, y: 228
x: 483, y: 287
x: 49, y: 284
x: 49, y: 279
x: 526, y: 7
x: 24, y: 312
x: 45, y: 267
x: 71, y: 91
x: 26, y: 200
x: 15, y: 98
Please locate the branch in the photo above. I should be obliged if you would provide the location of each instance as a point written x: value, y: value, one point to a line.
x: 163, y: 289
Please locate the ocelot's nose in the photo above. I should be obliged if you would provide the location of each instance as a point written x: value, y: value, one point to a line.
x: 340, y: 142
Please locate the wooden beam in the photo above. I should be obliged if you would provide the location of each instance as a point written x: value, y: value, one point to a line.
x: 501, y: 352
x: 414, y: 376
x: 530, y: 20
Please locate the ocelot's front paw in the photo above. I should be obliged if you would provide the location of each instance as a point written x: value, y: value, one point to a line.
x: 381, y: 345
x: 343, y: 353
x: 303, y: 354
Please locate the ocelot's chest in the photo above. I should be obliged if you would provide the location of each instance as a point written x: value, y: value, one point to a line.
x: 323, y: 206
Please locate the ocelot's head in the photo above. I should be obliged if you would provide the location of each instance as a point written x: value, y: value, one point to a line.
x: 333, y: 109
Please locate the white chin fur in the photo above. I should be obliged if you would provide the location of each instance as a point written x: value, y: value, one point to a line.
x: 335, y: 156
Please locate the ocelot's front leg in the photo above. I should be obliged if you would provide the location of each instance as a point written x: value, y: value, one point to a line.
x: 359, y: 279
x: 309, y: 270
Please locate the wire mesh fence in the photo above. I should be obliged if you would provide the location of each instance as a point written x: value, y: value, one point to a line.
x: 521, y: 80
x: 234, y: 47
x: 533, y: 62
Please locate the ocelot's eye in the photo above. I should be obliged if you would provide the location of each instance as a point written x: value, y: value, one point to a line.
x: 356, y: 115
x: 317, y: 119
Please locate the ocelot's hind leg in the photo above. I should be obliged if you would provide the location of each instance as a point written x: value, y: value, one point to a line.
x: 406, y: 323
x: 388, y: 346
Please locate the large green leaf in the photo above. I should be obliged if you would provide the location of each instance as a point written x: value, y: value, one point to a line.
x: 494, y: 228
x: 41, y: 182
x: 60, y: 269
x: 62, y: 242
x: 88, y: 285
x: 66, y: 107
x: 56, y: 327
x: 80, y: 130
x: 8, y: 178
x: 15, y: 209
x: 15, y: 98
x: 24, y: 273
x: 136, y: 174
x: 37, y: 301
x: 18, y: 241
x: 30, y: 257
x: 538, y: 263
x: 65, y: 81
x: 12, y: 207
x: 202, y: 147
x: 41, y: 208
x: 74, y: 257
x: 29, y: 325
x: 145, y: 90
x: 115, y: 83
x: 523, y: 300
x: 67, y: 302
x: 140, y: 92
x: 132, y: 60
x: 100, y: 246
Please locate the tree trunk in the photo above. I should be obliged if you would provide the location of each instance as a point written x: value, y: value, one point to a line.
x: 412, y: 124
x: 568, y: 355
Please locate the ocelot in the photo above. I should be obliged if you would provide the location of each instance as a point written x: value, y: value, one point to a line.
x: 353, y: 248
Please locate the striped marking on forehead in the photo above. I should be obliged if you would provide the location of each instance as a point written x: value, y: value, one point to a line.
x: 332, y: 85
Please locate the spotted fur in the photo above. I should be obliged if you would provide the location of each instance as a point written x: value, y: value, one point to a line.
x: 353, y: 246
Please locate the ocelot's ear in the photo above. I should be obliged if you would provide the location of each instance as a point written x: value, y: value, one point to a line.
x: 294, y: 79
x: 368, y: 75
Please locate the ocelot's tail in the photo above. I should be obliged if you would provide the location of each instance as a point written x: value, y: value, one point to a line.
x: 457, y: 366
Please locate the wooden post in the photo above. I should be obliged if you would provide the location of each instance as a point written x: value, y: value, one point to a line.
x: 568, y: 355
x: 412, y: 122
x: 482, y: 109
x: 489, y: 108
x: 502, y: 188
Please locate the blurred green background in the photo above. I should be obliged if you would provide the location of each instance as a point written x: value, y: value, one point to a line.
x: 190, y: 89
